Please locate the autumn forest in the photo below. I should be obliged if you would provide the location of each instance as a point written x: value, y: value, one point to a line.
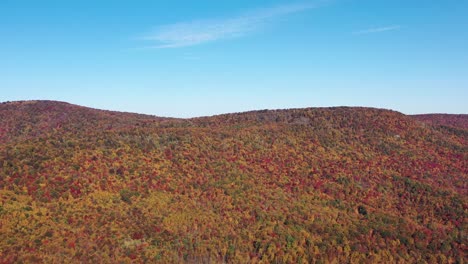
x: 314, y: 185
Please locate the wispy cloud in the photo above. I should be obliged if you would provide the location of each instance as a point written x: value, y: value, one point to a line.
x: 202, y: 31
x: 377, y: 30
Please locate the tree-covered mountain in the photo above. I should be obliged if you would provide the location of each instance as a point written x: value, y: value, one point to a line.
x: 315, y: 185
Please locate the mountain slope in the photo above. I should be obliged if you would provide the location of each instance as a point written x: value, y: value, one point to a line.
x: 457, y: 121
x: 24, y: 119
x: 300, y: 185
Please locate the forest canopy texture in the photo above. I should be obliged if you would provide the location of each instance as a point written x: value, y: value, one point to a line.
x: 316, y: 185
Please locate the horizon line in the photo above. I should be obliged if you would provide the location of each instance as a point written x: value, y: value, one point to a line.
x: 231, y: 113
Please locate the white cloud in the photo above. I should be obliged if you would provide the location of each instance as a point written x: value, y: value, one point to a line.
x: 201, y: 31
x: 377, y: 30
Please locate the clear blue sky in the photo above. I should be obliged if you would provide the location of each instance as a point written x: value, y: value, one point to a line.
x: 192, y: 58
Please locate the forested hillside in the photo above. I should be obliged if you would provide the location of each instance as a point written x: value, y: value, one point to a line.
x: 315, y: 185
x: 457, y: 121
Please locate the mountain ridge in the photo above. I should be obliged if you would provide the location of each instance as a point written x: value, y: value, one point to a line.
x: 456, y: 120
x: 279, y: 110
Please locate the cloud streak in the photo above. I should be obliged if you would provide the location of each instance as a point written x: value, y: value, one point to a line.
x: 198, y: 32
x: 377, y: 30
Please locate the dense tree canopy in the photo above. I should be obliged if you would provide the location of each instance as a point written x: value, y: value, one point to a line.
x: 343, y: 185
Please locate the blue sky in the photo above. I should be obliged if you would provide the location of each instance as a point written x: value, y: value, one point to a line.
x: 192, y: 58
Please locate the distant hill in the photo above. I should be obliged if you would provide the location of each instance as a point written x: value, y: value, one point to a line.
x: 33, y: 118
x: 314, y: 185
x: 459, y: 121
